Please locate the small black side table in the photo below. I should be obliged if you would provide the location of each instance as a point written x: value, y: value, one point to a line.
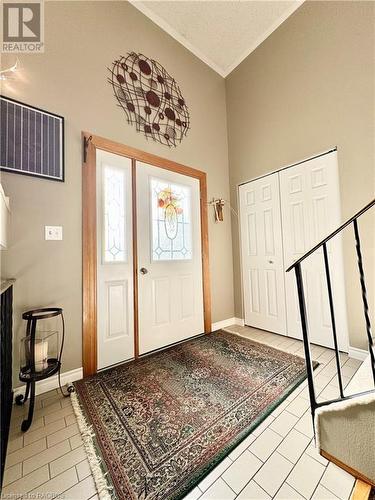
x: 51, y: 364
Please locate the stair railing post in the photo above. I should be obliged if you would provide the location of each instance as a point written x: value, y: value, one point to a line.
x: 306, y: 342
x: 364, y: 297
x: 333, y: 321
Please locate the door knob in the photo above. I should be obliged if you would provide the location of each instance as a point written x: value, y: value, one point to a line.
x: 143, y: 270
x: 270, y: 262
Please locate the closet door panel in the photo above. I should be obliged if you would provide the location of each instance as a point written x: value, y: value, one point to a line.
x: 310, y: 206
x: 262, y: 255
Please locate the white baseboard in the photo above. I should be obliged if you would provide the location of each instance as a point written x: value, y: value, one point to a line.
x: 51, y: 383
x: 226, y: 322
x: 356, y: 353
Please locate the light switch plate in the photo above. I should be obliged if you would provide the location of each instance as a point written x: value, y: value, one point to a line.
x: 53, y: 232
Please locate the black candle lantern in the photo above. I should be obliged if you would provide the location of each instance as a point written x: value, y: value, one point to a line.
x: 40, y: 353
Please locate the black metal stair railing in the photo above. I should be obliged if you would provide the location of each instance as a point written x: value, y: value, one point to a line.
x: 296, y: 266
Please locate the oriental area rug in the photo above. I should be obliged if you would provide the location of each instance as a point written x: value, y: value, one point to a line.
x: 159, y: 424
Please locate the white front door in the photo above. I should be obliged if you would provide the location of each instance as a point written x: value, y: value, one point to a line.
x: 262, y: 255
x: 169, y: 257
x: 115, y: 335
x: 310, y: 206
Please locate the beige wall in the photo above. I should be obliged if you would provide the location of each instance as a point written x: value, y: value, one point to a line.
x: 70, y: 78
x: 308, y: 87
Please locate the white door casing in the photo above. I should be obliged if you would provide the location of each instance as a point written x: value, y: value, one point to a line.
x: 115, y: 312
x: 262, y: 255
x: 310, y: 207
x: 170, y: 298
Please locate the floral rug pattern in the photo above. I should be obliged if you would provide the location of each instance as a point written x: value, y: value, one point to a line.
x: 164, y: 421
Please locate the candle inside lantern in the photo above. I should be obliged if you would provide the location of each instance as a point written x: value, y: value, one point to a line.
x: 41, y: 354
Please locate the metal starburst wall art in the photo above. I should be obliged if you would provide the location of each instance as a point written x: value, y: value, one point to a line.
x: 150, y: 98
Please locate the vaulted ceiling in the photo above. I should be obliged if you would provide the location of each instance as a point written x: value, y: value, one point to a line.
x: 220, y: 33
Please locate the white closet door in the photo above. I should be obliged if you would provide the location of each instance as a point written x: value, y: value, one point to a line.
x: 262, y: 254
x: 310, y: 206
x: 115, y: 312
x: 169, y: 257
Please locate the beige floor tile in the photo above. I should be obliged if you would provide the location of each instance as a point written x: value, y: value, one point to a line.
x: 293, y: 445
x: 61, y: 435
x: 64, y: 412
x: 66, y: 461
x: 284, y: 423
x: 348, y: 370
x: 313, y: 452
x: 279, y: 409
x: 52, y: 399
x: 218, y: 491
x: 304, y: 425
x: 273, y: 473
x: 58, y: 484
x: 241, y: 471
x: 15, y: 443
x: 213, y: 475
x: 81, y: 491
x: 48, y: 394
x: 53, y: 408
x: 193, y: 494
x: 263, y: 425
x: 306, y: 475
x: 32, y: 436
x: 75, y: 441
x: 286, y: 492
x: 65, y: 402
x: 242, y: 447
x: 253, y: 491
x: 28, y: 482
x: 70, y: 419
x: 339, y: 482
x: 12, y: 474
x: 298, y: 407
x: 265, y: 444
x: 321, y: 381
x: 83, y: 469
x: 321, y: 493
x: 354, y: 362
x: 45, y: 457
x: 24, y: 453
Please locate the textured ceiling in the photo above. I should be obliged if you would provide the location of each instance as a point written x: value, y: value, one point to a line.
x: 221, y: 33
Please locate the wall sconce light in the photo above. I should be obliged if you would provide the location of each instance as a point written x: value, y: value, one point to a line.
x: 218, y: 205
x: 218, y: 209
x: 7, y: 74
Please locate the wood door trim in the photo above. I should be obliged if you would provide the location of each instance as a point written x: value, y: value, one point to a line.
x: 89, y: 239
x: 89, y: 263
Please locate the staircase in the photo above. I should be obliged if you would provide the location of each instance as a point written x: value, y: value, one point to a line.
x: 344, y: 427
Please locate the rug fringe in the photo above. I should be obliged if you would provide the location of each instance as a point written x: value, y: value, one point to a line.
x: 87, y: 433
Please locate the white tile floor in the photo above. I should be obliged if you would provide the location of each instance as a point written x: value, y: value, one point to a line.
x: 278, y: 460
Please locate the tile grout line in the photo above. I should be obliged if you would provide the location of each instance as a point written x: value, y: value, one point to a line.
x: 276, y: 450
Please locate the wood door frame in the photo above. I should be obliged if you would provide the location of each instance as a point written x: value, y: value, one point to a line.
x: 89, y: 239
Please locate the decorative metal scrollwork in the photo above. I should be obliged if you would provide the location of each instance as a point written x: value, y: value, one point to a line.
x: 150, y: 98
